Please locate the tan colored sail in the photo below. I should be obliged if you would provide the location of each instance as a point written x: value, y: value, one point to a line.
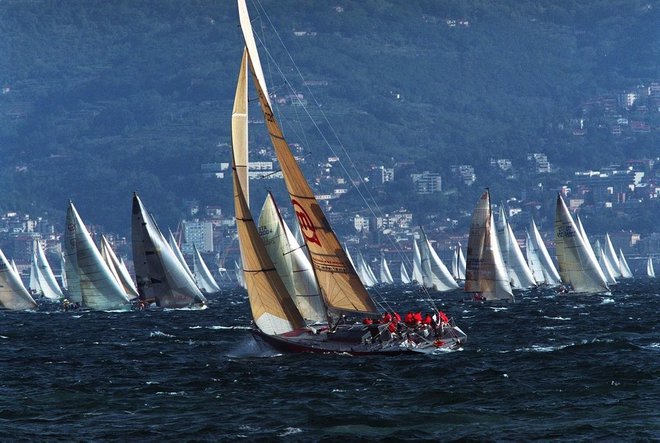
x: 239, y: 128
x: 273, y: 309
x: 339, y: 283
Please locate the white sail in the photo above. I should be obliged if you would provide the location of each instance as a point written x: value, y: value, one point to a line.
x: 13, y: 294
x: 486, y: 273
x: 589, y: 247
x: 549, y: 271
x: 608, y: 249
x: 385, y: 274
x: 34, y: 283
x: 435, y: 274
x: 44, y: 274
x: 372, y: 275
x: 623, y: 266
x: 63, y: 281
x: 533, y: 260
x: 159, y: 274
x: 519, y: 272
x: 405, y: 278
x: 291, y: 262
x: 650, y: 272
x: 454, y: 264
x: 461, y: 262
x: 179, y: 255
x: 203, y: 276
x: 577, y: 263
x: 118, y: 269
x: 348, y: 254
x: 417, y: 264
x: 99, y: 290
x: 520, y: 276
x: 364, y: 271
x: 604, y: 263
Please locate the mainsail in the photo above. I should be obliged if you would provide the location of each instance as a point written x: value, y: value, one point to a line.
x: 435, y: 274
x: 339, y: 283
x: 159, y: 274
x: 98, y: 288
x: 520, y: 275
x: 291, y: 262
x: 577, y: 263
x: 548, y: 272
x: 203, y: 276
x: 624, y: 268
x: 118, y: 269
x: 13, y: 294
x: 650, y: 272
x: 385, y: 274
x: 405, y: 278
x: 485, y: 271
x: 44, y: 274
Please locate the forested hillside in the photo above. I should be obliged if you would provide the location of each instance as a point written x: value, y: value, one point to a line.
x: 102, y: 98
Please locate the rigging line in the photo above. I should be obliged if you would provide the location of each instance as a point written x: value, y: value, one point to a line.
x: 369, y: 206
x: 323, y: 137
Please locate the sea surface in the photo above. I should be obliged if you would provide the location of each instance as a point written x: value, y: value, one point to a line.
x: 547, y: 367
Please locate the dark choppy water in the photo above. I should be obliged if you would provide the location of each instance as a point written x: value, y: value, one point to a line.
x: 546, y: 367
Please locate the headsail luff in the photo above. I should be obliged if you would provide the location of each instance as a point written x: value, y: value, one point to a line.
x: 13, y: 294
x: 339, y: 283
x: 118, y: 269
x: 99, y: 289
x: 405, y: 278
x: 550, y: 271
x: 485, y: 271
x: 434, y: 273
x: 159, y: 274
x: 577, y: 265
x: 47, y: 282
x: 650, y: 272
x: 273, y: 310
x: 291, y: 262
x: 385, y: 274
x: 625, y: 269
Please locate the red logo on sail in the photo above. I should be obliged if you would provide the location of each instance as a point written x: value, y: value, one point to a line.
x: 306, y: 226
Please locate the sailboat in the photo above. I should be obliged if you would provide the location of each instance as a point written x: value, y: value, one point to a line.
x: 13, y: 294
x: 366, y: 274
x: 650, y: 272
x: 159, y: 274
x: 174, y: 245
x: 604, y: 263
x: 405, y: 278
x: 608, y: 250
x: 91, y: 282
x: 458, y: 263
x: 435, y: 274
x: 41, y: 275
x: 277, y: 320
x: 486, y: 275
x: 577, y: 262
x: 203, y: 276
x: 623, y: 266
x: 538, y: 258
x: 118, y: 269
x: 520, y: 275
x: 385, y: 274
